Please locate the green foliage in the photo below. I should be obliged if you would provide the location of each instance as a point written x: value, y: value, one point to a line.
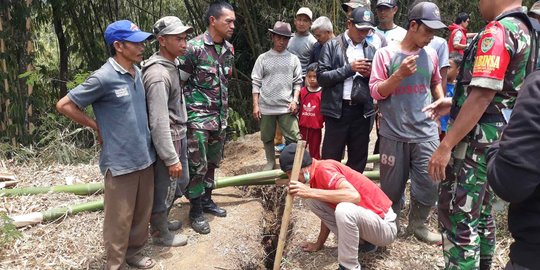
x: 78, y: 79
x: 236, y: 125
x: 8, y: 231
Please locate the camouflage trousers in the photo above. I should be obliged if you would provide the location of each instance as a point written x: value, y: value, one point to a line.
x: 205, y: 148
x: 465, y: 203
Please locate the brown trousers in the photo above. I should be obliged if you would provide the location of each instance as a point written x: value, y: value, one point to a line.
x: 128, y: 205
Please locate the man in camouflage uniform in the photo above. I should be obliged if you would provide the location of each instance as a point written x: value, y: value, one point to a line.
x: 494, y: 68
x: 206, y: 69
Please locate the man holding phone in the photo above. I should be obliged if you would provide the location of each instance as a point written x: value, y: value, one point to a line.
x: 405, y: 79
x: 341, y: 60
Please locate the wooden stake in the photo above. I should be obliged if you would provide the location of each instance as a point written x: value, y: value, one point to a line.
x: 297, y: 165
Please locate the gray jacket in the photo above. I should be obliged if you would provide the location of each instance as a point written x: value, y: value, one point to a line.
x: 167, y: 114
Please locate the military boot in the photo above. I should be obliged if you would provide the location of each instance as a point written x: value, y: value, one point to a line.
x: 160, y: 232
x: 417, y: 218
x: 199, y: 223
x: 209, y: 206
x: 173, y: 225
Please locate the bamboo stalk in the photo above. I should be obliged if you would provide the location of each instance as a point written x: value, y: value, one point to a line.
x: 252, y: 179
x: 297, y: 165
x: 374, y: 158
x: 78, y: 189
x: 55, y: 213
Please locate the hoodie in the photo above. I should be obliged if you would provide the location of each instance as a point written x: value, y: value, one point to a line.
x: 167, y: 114
x: 454, y: 28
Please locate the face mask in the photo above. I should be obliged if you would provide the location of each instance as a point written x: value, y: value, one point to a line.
x: 306, y: 176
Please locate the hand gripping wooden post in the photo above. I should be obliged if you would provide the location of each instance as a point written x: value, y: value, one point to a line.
x: 297, y: 165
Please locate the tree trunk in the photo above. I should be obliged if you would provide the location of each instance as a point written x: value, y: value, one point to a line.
x: 63, y: 48
x: 29, y: 126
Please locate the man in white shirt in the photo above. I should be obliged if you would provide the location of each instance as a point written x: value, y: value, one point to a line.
x: 386, y: 10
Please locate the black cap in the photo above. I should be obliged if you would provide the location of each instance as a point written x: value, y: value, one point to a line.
x: 388, y: 3
x: 428, y: 13
x: 363, y: 18
x: 286, y: 158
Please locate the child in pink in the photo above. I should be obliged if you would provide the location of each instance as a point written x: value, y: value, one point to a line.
x: 311, y: 120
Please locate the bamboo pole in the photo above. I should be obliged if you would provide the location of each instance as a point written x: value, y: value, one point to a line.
x: 78, y: 189
x: 252, y: 179
x: 55, y: 213
x: 297, y: 165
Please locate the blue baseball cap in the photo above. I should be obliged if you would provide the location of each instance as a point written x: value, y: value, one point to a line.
x: 125, y: 30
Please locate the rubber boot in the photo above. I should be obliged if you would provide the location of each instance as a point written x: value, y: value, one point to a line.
x: 160, y: 232
x: 173, y: 225
x: 199, y: 223
x: 209, y: 206
x: 417, y: 218
x: 270, y: 156
x: 485, y: 263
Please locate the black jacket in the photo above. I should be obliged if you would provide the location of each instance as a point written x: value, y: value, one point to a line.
x: 514, y: 173
x: 333, y: 70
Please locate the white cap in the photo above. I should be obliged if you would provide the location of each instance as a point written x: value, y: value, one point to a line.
x: 305, y: 11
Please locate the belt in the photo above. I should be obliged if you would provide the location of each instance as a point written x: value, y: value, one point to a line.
x: 349, y: 102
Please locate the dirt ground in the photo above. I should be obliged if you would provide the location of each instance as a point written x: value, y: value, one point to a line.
x: 235, y: 242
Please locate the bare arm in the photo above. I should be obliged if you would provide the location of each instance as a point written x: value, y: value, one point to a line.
x: 437, y: 91
x: 469, y: 115
x: 344, y: 193
x: 406, y: 69
x: 256, y: 111
x: 68, y: 108
x: 321, y: 239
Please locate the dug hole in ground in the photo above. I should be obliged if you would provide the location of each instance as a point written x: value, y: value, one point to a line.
x: 245, y: 239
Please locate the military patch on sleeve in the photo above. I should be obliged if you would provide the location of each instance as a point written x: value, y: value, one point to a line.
x: 492, y: 57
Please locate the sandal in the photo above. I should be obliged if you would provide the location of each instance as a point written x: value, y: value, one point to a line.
x: 141, y: 262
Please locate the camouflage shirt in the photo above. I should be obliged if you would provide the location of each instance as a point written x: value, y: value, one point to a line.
x: 497, y: 60
x: 206, y: 69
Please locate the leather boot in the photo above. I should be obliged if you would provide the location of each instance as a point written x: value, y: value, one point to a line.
x: 417, y: 218
x: 160, y: 232
x: 198, y: 222
x: 270, y: 154
x: 209, y: 206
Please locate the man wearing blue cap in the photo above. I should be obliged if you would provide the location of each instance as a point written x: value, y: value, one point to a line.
x: 117, y: 96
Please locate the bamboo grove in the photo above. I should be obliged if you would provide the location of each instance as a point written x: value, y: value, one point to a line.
x: 48, y: 46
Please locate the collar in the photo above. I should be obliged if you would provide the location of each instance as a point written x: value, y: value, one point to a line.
x: 120, y: 69
x: 394, y: 26
x: 207, y: 38
x: 349, y: 40
x: 518, y: 9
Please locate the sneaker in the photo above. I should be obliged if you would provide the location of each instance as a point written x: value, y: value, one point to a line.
x: 367, y: 248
